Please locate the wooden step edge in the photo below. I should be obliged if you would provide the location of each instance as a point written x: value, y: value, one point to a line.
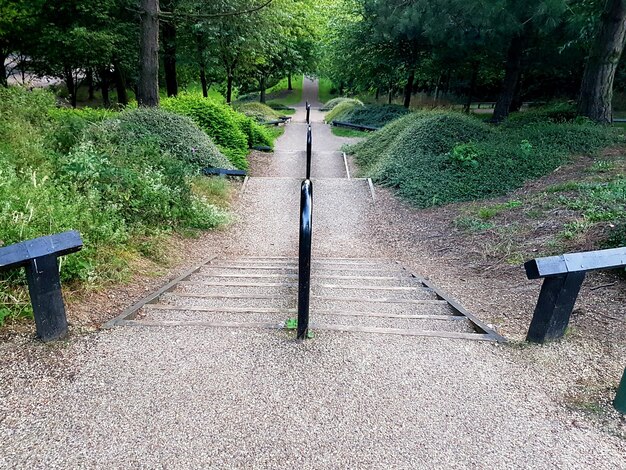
x: 404, y: 332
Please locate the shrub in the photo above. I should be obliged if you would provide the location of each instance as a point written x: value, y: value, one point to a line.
x: 174, y: 134
x: 558, y: 112
x: 437, y: 158
x: 256, y: 134
x: 369, y: 115
x: 219, y: 121
x: 332, y: 104
x: 258, y: 111
x: 125, y: 180
x: 341, y: 109
x: 70, y: 124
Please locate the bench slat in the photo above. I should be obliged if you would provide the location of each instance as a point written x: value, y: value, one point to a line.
x: 223, y: 171
x: 576, y: 262
x: 19, y: 254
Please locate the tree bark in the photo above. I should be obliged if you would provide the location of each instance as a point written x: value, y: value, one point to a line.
x: 408, y: 89
x: 229, y: 88
x: 120, y: 85
x: 377, y: 93
x: 596, y: 91
x: 148, y: 86
x: 289, y: 84
x: 104, y: 86
x: 390, y: 97
x: 472, y: 88
x: 263, y: 86
x: 203, y: 81
x: 168, y: 30
x: 511, y: 77
x: 3, y: 70
x: 91, y: 85
x: 71, y: 85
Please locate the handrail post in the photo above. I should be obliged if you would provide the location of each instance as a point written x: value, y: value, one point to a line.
x: 304, y: 255
x: 309, y: 146
x: 308, y: 113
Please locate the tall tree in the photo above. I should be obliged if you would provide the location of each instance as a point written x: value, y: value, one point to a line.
x: 596, y: 93
x: 148, y: 86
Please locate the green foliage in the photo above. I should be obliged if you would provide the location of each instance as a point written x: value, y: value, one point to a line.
x: 258, y: 111
x: 70, y: 124
x: 555, y: 113
x: 438, y: 158
x: 342, y: 108
x: 256, y: 133
x: 219, y: 121
x: 330, y: 105
x: 174, y: 134
x: 125, y: 180
x: 368, y: 115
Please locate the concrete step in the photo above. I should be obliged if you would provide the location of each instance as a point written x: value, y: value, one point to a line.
x: 404, y: 307
x: 161, y: 313
x: 316, y: 261
x: 243, y: 278
x: 258, y: 290
x: 316, y: 270
x: 203, y: 300
x: 372, y: 292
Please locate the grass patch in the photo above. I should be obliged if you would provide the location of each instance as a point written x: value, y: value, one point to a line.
x: 279, y: 94
x: 345, y: 132
x: 327, y: 90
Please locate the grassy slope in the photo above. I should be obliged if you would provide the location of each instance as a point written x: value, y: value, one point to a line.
x: 279, y: 93
x: 325, y: 93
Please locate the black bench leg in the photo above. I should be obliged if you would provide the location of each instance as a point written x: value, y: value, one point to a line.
x: 44, y: 285
x: 556, y: 302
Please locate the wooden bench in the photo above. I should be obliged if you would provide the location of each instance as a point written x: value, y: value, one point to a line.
x: 223, y: 172
x: 40, y: 258
x: 357, y: 127
x: 563, y: 276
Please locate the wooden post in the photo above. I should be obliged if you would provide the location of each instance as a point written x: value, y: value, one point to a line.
x: 44, y: 286
x: 556, y: 302
x: 620, y: 400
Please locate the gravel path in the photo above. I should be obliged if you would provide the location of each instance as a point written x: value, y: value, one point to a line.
x: 193, y: 397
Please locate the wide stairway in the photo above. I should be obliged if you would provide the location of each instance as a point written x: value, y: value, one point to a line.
x: 352, y: 295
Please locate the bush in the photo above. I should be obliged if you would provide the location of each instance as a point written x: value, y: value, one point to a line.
x: 553, y: 113
x: 369, y: 115
x: 341, y: 109
x: 258, y: 111
x: 332, y: 104
x: 256, y: 134
x: 435, y: 158
x: 219, y: 121
x: 118, y: 184
x: 174, y: 134
x: 69, y: 125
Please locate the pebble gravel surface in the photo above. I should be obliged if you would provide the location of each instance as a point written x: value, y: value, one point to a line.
x: 189, y: 397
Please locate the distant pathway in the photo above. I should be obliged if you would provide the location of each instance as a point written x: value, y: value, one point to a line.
x: 189, y: 396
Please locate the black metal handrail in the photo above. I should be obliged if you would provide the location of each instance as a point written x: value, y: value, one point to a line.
x: 308, y: 113
x: 304, y: 257
x: 309, y: 146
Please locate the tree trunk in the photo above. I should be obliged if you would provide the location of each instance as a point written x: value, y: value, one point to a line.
x: 517, y: 102
x: 511, y: 77
x: 289, y: 84
x: 168, y: 29
x: 104, y: 87
x: 3, y: 70
x: 229, y: 88
x: 390, y: 93
x: 262, y: 84
x: 203, y: 81
x: 596, y: 92
x: 91, y: 85
x: 71, y: 85
x: 120, y: 85
x: 472, y: 88
x: 377, y: 93
x: 148, y: 86
x: 408, y: 89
